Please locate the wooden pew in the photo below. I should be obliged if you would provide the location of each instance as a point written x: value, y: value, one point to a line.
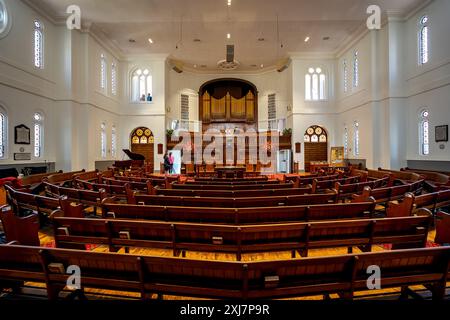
x: 86, y: 197
x: 23, y: 230
x: 433, y: 180
x: 226, y: 183
x: 442, y: 228
x: 233, y: 202
x: 249, y: 193
x: 327, y: 185
x: 239, y: 216
x: 409, y: 232
x: 386, y: 195
x: 342, y: 275
x: 62, y: 179
x: 41, y: 205
x: 232, y: 187
x: 348, y: 190
x: 403, y: 176
x: 411, y: 203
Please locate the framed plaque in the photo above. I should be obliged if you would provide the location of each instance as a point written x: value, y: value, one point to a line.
x: 441, y: 133
x: 22, y: 134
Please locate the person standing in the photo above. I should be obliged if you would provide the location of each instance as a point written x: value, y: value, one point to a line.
x: 166, y: 163
x: 171, y: 161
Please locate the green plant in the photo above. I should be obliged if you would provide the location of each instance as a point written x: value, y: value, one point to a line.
x: 287, y: 132
x: 169, y: 132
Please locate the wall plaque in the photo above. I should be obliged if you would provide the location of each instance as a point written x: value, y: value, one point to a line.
x: 22, y: 134
x: 22, y: 156
x: 441, y: 133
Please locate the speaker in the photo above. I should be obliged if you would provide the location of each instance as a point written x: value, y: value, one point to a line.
x: 176, y: 66
x: 283, y: 65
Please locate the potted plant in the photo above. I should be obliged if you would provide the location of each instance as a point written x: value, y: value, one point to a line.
x: 287, y: 132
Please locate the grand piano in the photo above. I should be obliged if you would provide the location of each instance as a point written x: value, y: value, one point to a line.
x: 136, y: 160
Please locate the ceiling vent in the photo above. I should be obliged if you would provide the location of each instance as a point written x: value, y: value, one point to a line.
x: 227, y: 66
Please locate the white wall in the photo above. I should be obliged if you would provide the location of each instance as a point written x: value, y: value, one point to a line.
x: 428, y: 86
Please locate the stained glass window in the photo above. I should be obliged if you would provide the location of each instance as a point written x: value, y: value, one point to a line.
x: 38, y: 135
x: 113, y: 141
x: 346, y: 141
x: 315, y: 85
x: 103, y: 68
x: 356, y: 147
x: 3, y: 136
x: 38, y: 44
x: 423, y: 40
x: 103, y: 139
x: 356, y: 69
x: 345, y: 72
x: 316, y: 134
x: 114, y: 79
x: 3, y: 17
x: 142, y: 136
x: 424, y: 133
x: 142, y: 86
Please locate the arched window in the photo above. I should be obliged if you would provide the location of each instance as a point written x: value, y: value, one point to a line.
x: 346, y: 141
x: 4, y: 18
x: 3, y: 133
x: 114, y: 79
x: 38, y: 44
x: 38, y: 134
x: 113, y: 141
x: 356, y: 69
x: 142, y: 86
x: 424, y: 133
x: 345, y: 73
x: 103, y: 68
x: 316, y: 134
x: 142, y: 136
x: 103, y: 139
x: 315, y: 82
x: 423, y: 40
x: 356, y: 142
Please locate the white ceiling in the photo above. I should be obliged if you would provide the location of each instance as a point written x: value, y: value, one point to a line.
x: 211, y: 20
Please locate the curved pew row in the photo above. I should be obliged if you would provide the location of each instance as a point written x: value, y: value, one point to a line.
x: 342, y: 275
x: 433, y: 201
x: 409, y: 232
x: 240, y: 215
x: 217, y: 202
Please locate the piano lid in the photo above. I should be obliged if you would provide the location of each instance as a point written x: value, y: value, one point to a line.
x: 134, y: 156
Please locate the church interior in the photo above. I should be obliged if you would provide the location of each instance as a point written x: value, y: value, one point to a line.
x: 227, y: 149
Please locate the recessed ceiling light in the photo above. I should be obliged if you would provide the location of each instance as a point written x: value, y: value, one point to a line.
x: 307, y: 39
x: 228, y: 35
x: 195, y: 66
x: 229, y: 2
x: 203, y: 66
x: 261, y: 39
x: 150, y: 40
x: 262, y: 65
